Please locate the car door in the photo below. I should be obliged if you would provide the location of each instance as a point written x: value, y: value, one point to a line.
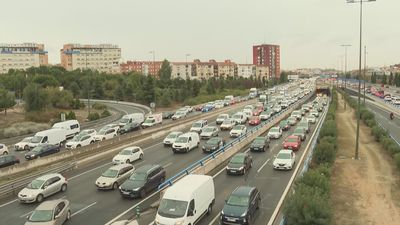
x: 135, y: 154
x: 60, y: 213
x: 252, y: 203
x: 45, y: 150
x: 152, y: 180
x: 55, y: 185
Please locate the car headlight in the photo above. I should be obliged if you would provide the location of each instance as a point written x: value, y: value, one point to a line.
x: 33, y: 155
x: 136, y: 189
x: 179, y: 222
x: 241, y: 168
x: 244, y: 214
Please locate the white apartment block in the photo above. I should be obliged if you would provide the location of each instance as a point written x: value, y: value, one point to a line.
x: 262, y: 71
x: 226, y: 69
x: 246, y: 70
x: 22, y: 56
x: 103, y: 58
x: 182, y: 70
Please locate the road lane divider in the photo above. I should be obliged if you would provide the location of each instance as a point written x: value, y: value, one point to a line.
x: 83, y: 209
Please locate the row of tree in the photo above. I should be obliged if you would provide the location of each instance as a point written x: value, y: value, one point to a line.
x: 392, y: 79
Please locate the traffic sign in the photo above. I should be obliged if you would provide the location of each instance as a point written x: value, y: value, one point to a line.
x: 152, y: 105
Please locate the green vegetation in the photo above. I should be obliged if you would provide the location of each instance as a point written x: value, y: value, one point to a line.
x: 310, y: 203
x: 7, y: 100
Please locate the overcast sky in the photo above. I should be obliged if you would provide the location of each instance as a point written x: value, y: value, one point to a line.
x: 309, y: 31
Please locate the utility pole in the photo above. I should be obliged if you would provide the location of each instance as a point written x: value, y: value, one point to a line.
x: 186, y: 66
x: 365, y: 67
x: 345, y: 69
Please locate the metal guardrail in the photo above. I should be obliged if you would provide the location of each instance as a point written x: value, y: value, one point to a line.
x: 18, y: 184
x: 227, y: 146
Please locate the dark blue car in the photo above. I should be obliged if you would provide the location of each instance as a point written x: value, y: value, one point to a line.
x: 41, y: 151
x: 207, y: 108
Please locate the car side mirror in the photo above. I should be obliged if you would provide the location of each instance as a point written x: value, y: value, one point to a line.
x: 190, y: 212
x: 44, y: 187
x: 56, y: 216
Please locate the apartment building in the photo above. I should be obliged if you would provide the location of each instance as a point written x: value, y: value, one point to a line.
x: 103, y: 57
x: 183, y: 70
x: 268, y: 55
x: 262, y: 72
x: 22, y: 56
x: 246, y: 70
x: 144, y: 67
x: 227, y: 69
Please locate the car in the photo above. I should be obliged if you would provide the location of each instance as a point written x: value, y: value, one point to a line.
x: 114, y: 176
x: 314, y: 112
x: 221, y: 118
x: 167, y: 115
x: 189, y: 108
x: 311, y: 119
x: 52, y: 212
x: 249, y: 107
x: 239, y: 164
x: 292, y: 142
x: 198, y: 108
x: 144, y: 180
x: 319, y: 107
x: 186, y: 142
x: 129, y: 127
x: 79, y: 141
x: 274, y: 133
x: 284, y: 125
x: 90, y: 132
x: 300, y: 131
x: 179, y: 115
x: 247, y: 113
x: 3, y: 149
x: 42, y: 151
x: 277, y: 108
x: 238, y: 130
x: 8, y: 160
x: 207, y: 108
x: 209, y: 132
x: 260, y: 143
x: 171, y: 137
x: 198, y: 126
x: 42, y: 187
x: 292, y: 120
x: 257, y: 111
x: 304, y: 123
x: 128, y: 155
x: 23, y: 144
x: 254, y: 121
x: 105, y: 134
x: 228, y: 124
x: 239, y: 118
x: 219, y: 105
x: 265, y: 115
x: 213, y: 144
x: 297, y: 114
x: 285, y: 160
x: 241, y: 206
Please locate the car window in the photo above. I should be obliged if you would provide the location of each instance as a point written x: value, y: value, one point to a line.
x: 45, y: 139
x: 59, y: 208
x: 135, y: 150
x: 54, y: 180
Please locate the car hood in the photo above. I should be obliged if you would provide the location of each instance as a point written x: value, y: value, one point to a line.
x: 107, y: 180
x: 170, y: 139
x: 98, y: 136
x: 235, y: 165
x: 298, y: 134
x: 131, y: 184
x: 41, y: 223
x: 22, y: 143
x: 290, y: 143
x: 120, y: 157
x: 233, y: 210
x: 206, y: 133
x: 282, y: 161
x: 258, y: 145
x: 27, y: 191
x: 72, y: 143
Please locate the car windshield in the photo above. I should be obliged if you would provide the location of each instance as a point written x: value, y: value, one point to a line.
x: 208, y: 129
x: 311, y: 117
x: 110, y: 173
x: 197, y: 125
x: 35, y: 184
x: 237, y: 116
x: 172, y: 208
x: 27, y: 139
x: 124, y: 120
x: 274, y: 130
x: 125, y: 152
x: 238, y: 159
x: 213, y: 141
x: 238, y: 200
x: 259, y: 140
x: 222, y: 116
x: 138, y: 177
x: 181, y: 140
x: 77, y: 137
x: 149, y: 121
x: 41, y: 216
x: 226, y: 121
x: 36, y: 139
x: 292, y: 140
x: 102, y: 132
x: 238, y: 128
x: 283, y: 155
x: 172, y: 135
x: 299, y: 130
x: 37, y: 149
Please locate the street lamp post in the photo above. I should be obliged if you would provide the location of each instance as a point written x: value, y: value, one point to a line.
x: 356, y: 155
x: 365, y: 68
x: 345, y: 68
x: 154, y: 71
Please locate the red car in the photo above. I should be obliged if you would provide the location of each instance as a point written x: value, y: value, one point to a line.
x: 257, y: 112
x: 255, y: 120
x: 198, y: 108
x: 292, y: 142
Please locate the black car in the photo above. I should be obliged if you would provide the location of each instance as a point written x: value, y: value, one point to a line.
x: 8, y: 160
x: 241, y: 206
x: 239, y: 164
x: 260, y: 144
x: 129, y: 128
x: 42, y: 150
x: 142, y: 181
x: 213, y: 144
x: 167, y: 115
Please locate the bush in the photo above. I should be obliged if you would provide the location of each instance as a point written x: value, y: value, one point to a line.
x: 317, y: 178
x: 324, y: 153
x: 378, y: 133
x: 397, y: 160
x: 105, y: 113
x: 70, y: 116
x: 42, y: 117
x: 329, y: 139
x: 99, y: 106
x: 328, y: 129
x: 93, y: 116
x: 77, y: 104
x: 18, y: 129
x: 370, y: 122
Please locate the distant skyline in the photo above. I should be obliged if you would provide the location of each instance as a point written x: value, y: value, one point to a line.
x: 309, y: 32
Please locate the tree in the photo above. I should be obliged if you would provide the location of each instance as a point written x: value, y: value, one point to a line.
x: 210, y: 87
x: 36, y: 98
x: 373, y: 78
x: 165, y: 72
x: 397, y: 80
x: 384, y: 79
x: 46, y: 81
x: 7, y: 100
x: 283, y: 77
x: 391, y: 79
x: 148, y: 90
x: 74, y: 88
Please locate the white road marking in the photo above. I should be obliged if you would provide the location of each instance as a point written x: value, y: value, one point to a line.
x: 10, y: 202
x: 83, y: 209
x: 168, y: 164
x: 26, y: 214
x: 262, y: 166
x: 88, y: 171
x: 215, y: 219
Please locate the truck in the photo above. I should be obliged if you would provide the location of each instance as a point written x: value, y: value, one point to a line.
x: 187, y: 201
x: 253, y: 92
x: 137, y: 118
x: 52, y: 136
x: 152, y: 120
x: 71, y: 127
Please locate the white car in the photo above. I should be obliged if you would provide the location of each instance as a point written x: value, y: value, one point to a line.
x: 221, y: 118
x: 314, y: 112
x: 90, y: 132
x: 198, y: 126
x: 285, y: 160
x: 128, y: 155
x: 238, y: 130
x: 190, y: 108
x: 3, y: 149
x: 227, y: 124
x: 277, y: 108
x: 23, y: 145
x: 275, y: 132
x: 219, y: 105
x: 105, y: 134
x: 178, y: 115
x: 114, y: 176
x: 311, y: 119
x: 171, y: 137
x: 209, y: 132
x: 79, y: 141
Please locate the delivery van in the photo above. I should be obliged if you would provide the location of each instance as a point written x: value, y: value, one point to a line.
x: 187, y: 201
x: 152, y: 120
x: 186, y: 142
x: 52, y: 136
x: 72, y: 127
x: 137, y: 118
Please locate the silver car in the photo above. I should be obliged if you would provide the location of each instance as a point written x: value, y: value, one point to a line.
x: 42, y: 187
x: 114, y: 176
x: 54, y: 212
x: 209, y: 132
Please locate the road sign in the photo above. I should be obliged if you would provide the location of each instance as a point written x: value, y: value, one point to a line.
x: 152, y: 105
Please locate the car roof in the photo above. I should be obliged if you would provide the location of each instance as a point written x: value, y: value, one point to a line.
x: 243, y: 191
x: 120, y: 166
x: 147, y: 168
x: 201, y: 121
x: 49, y: 204
x: 47, y: 176
x: 292, y: 136
x: 240, y: 155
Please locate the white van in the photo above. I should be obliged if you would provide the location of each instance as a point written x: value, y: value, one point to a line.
x: 239, y: 118
x: 152, y: 120
x: 51, y: 136
x: 131, y: 118
x: 186, y: 142
x: 71, y: 126
x: 187, y: 201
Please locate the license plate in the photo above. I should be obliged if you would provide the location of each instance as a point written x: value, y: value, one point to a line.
x: 233, y: 171
x: 231, y: 219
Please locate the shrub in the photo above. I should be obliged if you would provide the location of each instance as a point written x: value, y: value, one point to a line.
x: 70, y: 116
x: 370, y: 122
x: 392, y: 147
x: 328, y: 129
x: 329, y: 139
x: 23, y: 128
x: 397, y: 160
x: 318, y: 179
x: 99, y: 106
x: 378, y: 133
x: 105, y: 113
x: 93, y: 116
x: 77, y: 104
x: 324, y: 153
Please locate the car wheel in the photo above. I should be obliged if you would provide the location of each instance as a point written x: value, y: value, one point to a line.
x: 127, y: 161
x: 39, y: 198
x: 209, y: 209
x: 63, y: 188
x: 104, y: 139
x: 26, y: 147
x: 91, y: 142
x: 141, y: 156
x: 68, y: 215
x: 78, y: 146
x: 115, y: 186
x: 5, y: 153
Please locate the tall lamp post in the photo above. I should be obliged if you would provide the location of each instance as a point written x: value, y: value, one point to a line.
x: 345, y: 68
x: 365, y: 68
x: 356, y: 155
x: 154, y: 73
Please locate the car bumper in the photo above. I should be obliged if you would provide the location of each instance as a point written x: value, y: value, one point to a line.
x: 278, y: 167
x: 179, y: 149
x: 291, y: 147
x: 254, y: 149
x: 129, y: 194
x: 234, y: 135
x: 205, y: 137
x: 232, y: 220
x: 234, y: 172
x: 104, y: 186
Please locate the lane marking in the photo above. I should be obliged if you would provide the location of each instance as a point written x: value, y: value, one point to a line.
x: 83, y: 209
x: 215, y: 219
x: 168, y: 164
x: 26, y: 214
x: 262, y: 166
x: 7, y: 203
x: 88, y: 171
